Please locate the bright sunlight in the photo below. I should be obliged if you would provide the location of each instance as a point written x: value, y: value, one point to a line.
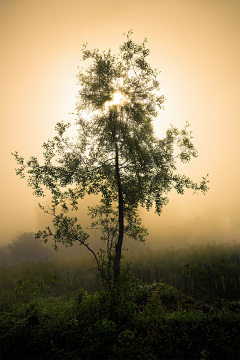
x: 118, y: 99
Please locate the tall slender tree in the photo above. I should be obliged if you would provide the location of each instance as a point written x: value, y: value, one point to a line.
x: 116, y: 152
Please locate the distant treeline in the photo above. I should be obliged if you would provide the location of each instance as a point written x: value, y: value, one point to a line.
x: 24, y: 248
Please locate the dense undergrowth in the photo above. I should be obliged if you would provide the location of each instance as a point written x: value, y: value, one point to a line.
x: 172, y: 304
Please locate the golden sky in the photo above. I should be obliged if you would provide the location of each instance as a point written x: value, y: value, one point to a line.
x: 195, y: 44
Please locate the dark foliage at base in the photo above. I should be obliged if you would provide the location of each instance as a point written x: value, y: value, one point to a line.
x: 134, y: 322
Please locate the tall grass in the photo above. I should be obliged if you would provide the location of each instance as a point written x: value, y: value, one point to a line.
x: 61, y: 276
x: 64, y: 276
x: 217, y: 268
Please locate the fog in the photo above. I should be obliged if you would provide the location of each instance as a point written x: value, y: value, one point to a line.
x: 195, y: 44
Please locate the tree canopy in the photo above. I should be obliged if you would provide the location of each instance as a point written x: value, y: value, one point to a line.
x: 115, y: 154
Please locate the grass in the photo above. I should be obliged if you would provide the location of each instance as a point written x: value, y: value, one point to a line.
x: 57, y: 310
x: 59, y: 276
x: 167, y: 266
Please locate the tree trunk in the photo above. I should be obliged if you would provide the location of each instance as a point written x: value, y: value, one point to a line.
x: 118, y: 246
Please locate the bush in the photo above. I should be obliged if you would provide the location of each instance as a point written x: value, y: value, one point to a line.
x: 100, y: 325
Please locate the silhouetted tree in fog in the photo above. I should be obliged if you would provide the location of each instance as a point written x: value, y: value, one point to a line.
x: 116, y: 154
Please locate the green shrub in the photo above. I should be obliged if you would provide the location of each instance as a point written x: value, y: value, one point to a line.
x: 131, y: 322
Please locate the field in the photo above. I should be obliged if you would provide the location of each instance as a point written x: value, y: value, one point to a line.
x: 172, y: 304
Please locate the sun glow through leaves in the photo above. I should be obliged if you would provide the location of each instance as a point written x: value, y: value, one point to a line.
x: 118, y: 99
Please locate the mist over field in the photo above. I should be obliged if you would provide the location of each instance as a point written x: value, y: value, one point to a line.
x: 176, y: 227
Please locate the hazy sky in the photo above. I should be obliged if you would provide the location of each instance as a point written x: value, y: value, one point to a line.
x: 195, y: 44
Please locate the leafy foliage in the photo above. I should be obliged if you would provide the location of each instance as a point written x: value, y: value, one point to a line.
x: 130, y: 323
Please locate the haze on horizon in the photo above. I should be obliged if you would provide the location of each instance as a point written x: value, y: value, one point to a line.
x: 195, y: 45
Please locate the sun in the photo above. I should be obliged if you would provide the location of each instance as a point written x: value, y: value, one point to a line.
x: 117, y: 99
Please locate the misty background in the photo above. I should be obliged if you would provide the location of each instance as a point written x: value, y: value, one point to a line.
x: 195, y: 45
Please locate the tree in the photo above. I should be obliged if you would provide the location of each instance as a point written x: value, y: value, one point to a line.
x: 116, y: 154
x: 24, y: 248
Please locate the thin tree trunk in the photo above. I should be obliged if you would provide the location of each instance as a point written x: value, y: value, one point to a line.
x: 118, y: 246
